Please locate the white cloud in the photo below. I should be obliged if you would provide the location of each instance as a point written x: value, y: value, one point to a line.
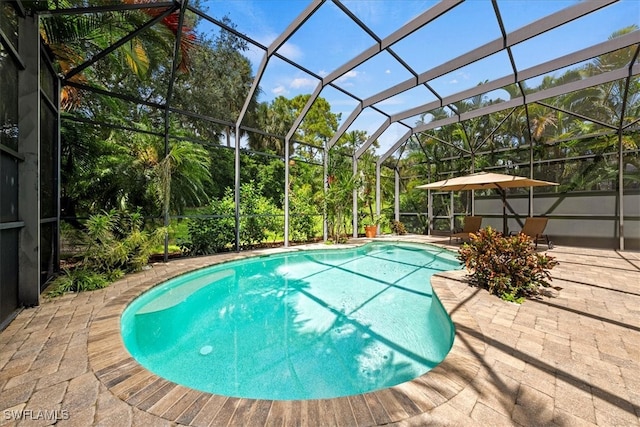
x: 291, y: 51
x: 352, y: 74
x: 284, y: 86
x: 387, y: 71
x: 301, y: 82
x: 266, y: 38
x: 288, y: 50
x: 460, y: 75
x: 279, y: 90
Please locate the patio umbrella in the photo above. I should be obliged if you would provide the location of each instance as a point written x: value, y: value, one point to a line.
x: 484, y: 181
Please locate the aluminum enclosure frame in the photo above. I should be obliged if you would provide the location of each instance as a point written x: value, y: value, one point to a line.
x: 504, y: 43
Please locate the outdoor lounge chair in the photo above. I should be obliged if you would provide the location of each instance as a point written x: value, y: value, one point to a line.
x: 471, y: 225
x: 533, y: 228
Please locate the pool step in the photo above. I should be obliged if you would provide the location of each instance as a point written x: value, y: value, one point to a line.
x: 180, y: 293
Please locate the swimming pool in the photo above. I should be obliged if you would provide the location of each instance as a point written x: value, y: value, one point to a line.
x: 298, y: 325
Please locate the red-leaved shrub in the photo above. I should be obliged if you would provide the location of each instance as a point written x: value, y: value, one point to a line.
x: 506, y: 266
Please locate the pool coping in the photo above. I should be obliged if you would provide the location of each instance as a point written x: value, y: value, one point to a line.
x: 125, y: 378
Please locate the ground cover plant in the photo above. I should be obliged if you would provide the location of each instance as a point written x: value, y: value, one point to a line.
x: 398, y: 227
x: 508, y: 267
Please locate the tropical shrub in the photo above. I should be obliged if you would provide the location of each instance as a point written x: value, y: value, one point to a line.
x: 506, y: 266
x: 338, y: 200
x: 113, y: 243
x: 116, y: 241
x: 258, y: 215
x: 301, y: 215
x: 215, y: 232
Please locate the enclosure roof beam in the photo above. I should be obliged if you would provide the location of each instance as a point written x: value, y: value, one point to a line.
x: 524, y: 33
x: 413, y: 25
x: 156, y: 105
x: 272, y: 49
x: 226, y: 27
x: 450, y: 144
x: 580, y: 116
x: 626, y: 92
x: 547, y: 67
x: 121, y: 96
x: 110, y: 125
x: 201, y: 117
x: 174, y: 65
x: 107, y: 8
x: 582, y: 55
x: 294, y: 26
x: 608, y: 77
x: 603, y: 78
x: 537, y: 96
x: 535, y: 28
x: 344, y: 126
x: 426, y: 155
x: 303, y: 113
x: 631, y: 124
x: 398, y: 143
x: 493, y: 132
x: 376, y: 134
x: 503, y: 31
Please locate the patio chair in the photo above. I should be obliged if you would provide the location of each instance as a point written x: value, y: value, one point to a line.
x: 533, y: 228
x: 471, y: 225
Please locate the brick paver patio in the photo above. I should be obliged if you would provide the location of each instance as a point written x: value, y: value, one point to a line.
x: 568, y: 359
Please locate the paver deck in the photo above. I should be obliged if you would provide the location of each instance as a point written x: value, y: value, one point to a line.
x: 568, y: 359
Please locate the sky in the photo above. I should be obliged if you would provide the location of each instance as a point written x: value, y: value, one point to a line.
x: 330, y: 38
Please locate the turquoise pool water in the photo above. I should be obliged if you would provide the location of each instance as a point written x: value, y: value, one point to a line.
x: 301, y: 325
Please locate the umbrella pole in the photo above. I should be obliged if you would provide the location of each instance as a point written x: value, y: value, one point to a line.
x: 503, y: 194
x: 505, y: 229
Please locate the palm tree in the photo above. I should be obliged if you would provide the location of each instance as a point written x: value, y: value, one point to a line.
x: 275, y: 118
x: 72, y: 39
x: 177, y: 180
x: 338, y: 201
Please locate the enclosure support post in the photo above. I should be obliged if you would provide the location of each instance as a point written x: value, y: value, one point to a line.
x: 287, y: 153
x: 429, y: 213
x: 473, y: 193
x: 429, y: 205
x: 526, y: 112
x: 531, y: 177
x: 378, y: 201
x: 236, y: 168
x: 621, y: 155
x: 166, y: 203
x: 325, y: 188
x: 355, y: 198
x: 621, y: 190
x: 452, y: 215
x: 396, y: 195
x: 236, y: 188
